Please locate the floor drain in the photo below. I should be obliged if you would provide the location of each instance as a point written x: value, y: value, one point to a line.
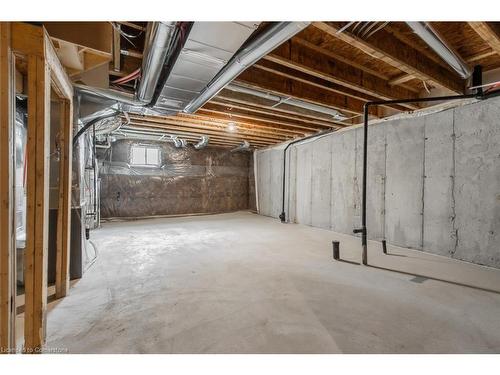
x: 419, y: 279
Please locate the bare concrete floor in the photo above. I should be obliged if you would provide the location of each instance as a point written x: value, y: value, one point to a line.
x: 243, y: 283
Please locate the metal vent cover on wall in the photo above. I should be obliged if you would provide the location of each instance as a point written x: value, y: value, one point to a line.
x: 209, y: 47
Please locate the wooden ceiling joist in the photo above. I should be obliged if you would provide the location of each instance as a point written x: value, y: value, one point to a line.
x: 219, y: 116
x: 489, y: 32
x: 400, y: 79
x: 198, y: 131
x: 228, y: 112
x: 335, y: 56
x: 230, y: 105
x: 192, y: 136
x: 318, y: 82
x: 301, y: 58
x: 286, y: 87
x: 386, y: 47
x: 211, y: 129
x: 282, y: 108
x: 132, y: 25
x: 223, y: 119
x: 213, y: 142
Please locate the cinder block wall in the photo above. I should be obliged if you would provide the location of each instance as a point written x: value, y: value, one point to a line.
x: 433, y: 182
x: 211, y: 180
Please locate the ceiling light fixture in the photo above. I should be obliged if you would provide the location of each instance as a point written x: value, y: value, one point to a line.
x: 231, y: 127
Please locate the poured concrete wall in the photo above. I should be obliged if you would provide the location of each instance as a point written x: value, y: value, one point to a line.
x: 433, y: 181
x: 211, y: 180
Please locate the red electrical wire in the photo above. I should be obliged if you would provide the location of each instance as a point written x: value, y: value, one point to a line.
x: 491, y: 88
x: 135, y: 74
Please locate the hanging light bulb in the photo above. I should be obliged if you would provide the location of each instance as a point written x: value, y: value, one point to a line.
x: 231, y: 127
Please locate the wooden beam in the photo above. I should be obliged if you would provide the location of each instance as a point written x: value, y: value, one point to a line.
x: 176, y: 129
x: 37, y: 203
x: 400, y: 79
x: 319, y: 82
x: 239, y: 115
x: 7, y: 227
x: 210, y: 130
x: 285, y: 87
x: 132, y: 25
x: 385, y: 47
x: 470, y: 59
x: 215, y: 121
x: 213, y: 112
x: 301, y: 58
x: 423, y: 49
x: 60, y: 80
x: 62, y: 86
x: 131, y: 53
x: 244, y: 121
x: 65, y: 142
x: 489, y: 32
x: 337, y: 57
x: 283, y: 108
x: 26, y: 39
x: 116, y: 49
x: 228, y: 103
x: 479, y: 56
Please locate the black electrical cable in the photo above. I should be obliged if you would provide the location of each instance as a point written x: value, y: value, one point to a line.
x: 91, y: 123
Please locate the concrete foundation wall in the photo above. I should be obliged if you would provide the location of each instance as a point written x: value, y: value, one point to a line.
x: 433, y: 182
x: 211, y: 180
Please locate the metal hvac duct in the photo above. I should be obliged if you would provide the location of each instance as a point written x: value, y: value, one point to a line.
x: 114, y: 95
x: 431, y: 37
x: 287, y: 100
x: 159, y: 43
x: 260, y: 46
x: 202, y: 143
x: 178, y: 142
x: 244, y: 146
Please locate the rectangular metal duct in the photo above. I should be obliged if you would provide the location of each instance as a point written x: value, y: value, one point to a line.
x: 209, y: 47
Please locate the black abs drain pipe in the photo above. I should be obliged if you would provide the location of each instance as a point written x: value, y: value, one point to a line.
x: 478, y: 95
x: 283, y: 214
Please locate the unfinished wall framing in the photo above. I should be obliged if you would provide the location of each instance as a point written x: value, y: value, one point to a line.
x: 43, y: 71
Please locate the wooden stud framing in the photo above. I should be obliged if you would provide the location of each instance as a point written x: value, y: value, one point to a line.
x: 44, y: 72
x: 116, y: 50
x: 37, y: 203
x: 64, y: 206
x: 64, y: 90
x: 7, y: 244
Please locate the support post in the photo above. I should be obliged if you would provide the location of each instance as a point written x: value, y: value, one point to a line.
x: 477, y: 79
x: 37, y: 204
x: 64, y: 207
x: 7, y: 233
